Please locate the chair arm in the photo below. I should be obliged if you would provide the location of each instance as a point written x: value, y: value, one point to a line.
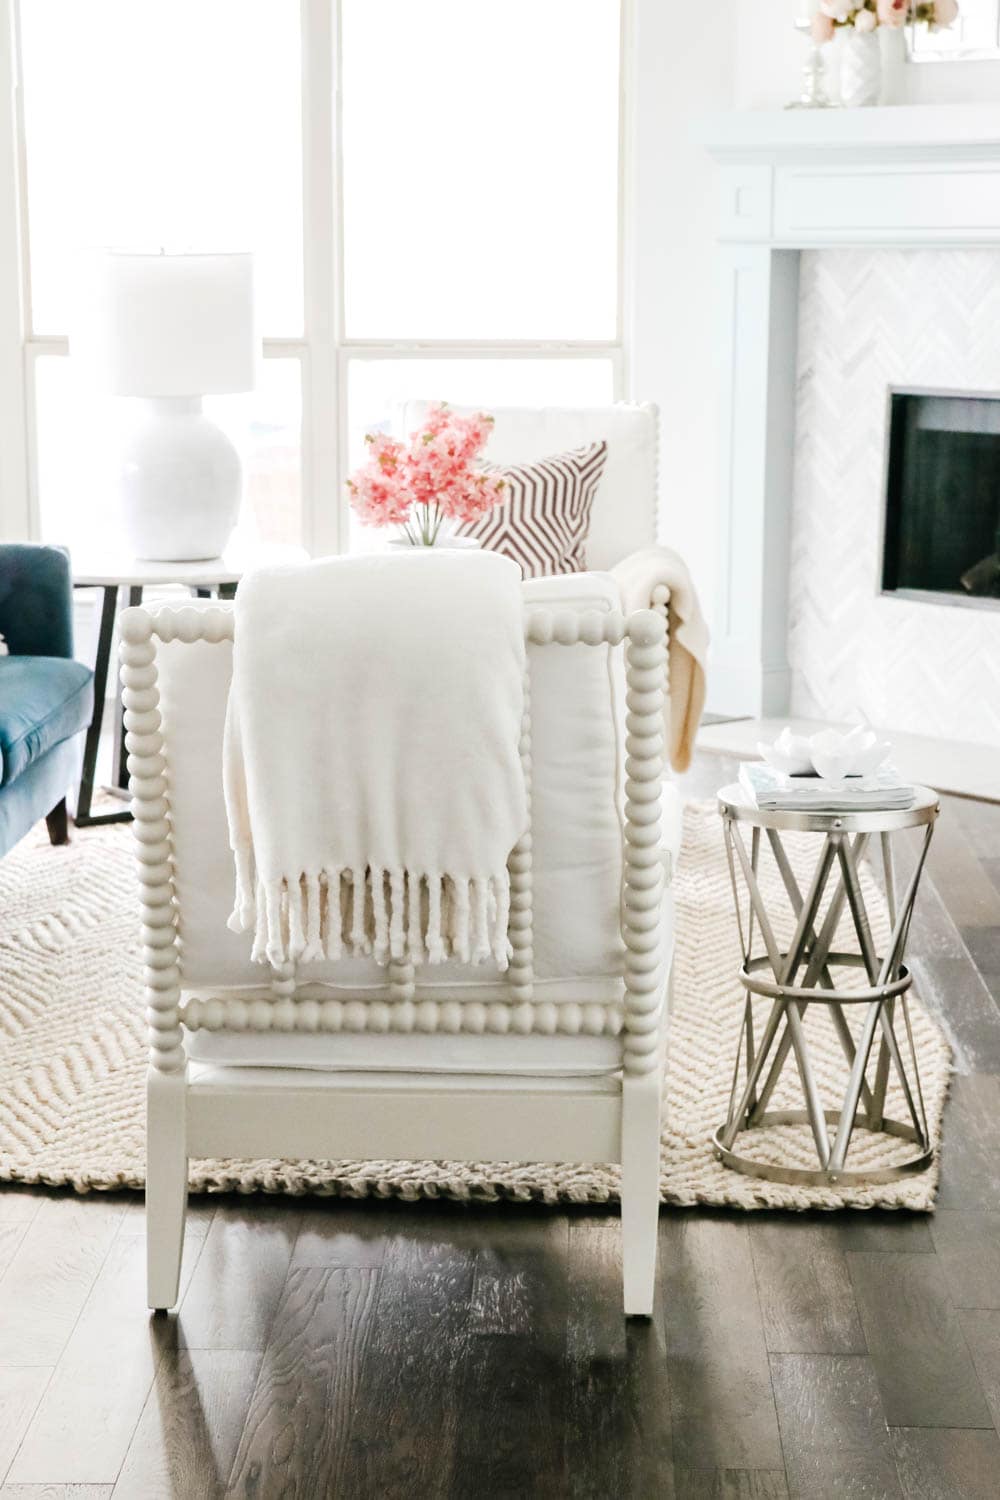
x: 36, y: 600
x: 632, y: 576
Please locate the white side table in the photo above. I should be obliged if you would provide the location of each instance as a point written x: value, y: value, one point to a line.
x: 122, y: 581
x: 793, y: 979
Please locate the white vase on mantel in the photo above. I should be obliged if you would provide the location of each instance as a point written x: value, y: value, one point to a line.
x: 859, y: 55
x: 892, y: 40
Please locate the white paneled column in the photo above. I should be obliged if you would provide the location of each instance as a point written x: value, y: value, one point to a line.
x: 756, y: 332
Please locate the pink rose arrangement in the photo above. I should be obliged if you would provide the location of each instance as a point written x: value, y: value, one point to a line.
x: 866, y: 15
x: 433, y: 478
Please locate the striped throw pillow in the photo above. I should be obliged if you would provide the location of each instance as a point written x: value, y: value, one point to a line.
x: 543, y: 520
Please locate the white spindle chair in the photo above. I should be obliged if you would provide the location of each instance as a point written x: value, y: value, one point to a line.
x: 413, y: 1068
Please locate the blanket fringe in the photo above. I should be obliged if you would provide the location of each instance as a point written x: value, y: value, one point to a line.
x: 388, y: 914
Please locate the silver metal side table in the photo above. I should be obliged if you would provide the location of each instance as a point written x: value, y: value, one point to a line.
x: 800, y: 976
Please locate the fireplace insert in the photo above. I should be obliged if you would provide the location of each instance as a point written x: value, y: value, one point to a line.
x: 941, y: 539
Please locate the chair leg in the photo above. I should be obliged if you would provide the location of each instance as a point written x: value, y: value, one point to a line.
x: 166, y: 1186
x: 57, y: 823
x: 640, y: 1189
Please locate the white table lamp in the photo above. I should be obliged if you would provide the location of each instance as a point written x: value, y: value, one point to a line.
x: 168, y: 330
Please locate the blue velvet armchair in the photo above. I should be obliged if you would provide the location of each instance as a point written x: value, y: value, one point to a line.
x: 46, y: 697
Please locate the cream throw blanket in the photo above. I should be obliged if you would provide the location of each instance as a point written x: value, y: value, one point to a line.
x: 637, y: 577
x: 372, y: 775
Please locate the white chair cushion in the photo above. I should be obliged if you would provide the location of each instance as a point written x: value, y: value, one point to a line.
x: 623, y: 517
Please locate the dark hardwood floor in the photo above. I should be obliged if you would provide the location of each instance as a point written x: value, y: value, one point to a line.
x: 328, y: 1349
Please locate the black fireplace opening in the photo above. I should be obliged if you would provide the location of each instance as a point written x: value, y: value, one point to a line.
x: 942, y: 501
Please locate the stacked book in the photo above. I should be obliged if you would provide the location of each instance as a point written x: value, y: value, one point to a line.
x: 773, y: 791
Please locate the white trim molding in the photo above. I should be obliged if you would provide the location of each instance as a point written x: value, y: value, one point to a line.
x: 910, y: 176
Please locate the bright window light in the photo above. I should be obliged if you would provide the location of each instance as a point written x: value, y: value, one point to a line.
x: 973, y: 33
x: 163, y: 123
x: 480, y: 155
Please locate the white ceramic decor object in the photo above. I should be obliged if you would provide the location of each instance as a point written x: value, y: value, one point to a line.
x: 859, y: 752
x: 860, y: 60
x: 789, y: 753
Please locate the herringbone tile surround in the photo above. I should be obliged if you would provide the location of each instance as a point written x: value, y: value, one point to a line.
x: 870, y: 319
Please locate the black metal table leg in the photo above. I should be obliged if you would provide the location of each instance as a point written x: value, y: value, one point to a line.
x: 84, y: 817
x: 121, y: 779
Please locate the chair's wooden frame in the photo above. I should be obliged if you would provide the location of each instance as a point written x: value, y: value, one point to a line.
x: 408, y: 1116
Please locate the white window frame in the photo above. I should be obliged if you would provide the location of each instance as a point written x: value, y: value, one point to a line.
x: 323, y: 351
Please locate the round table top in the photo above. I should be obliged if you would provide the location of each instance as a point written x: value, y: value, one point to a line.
x: 735, y: 803
x: 108, y: 569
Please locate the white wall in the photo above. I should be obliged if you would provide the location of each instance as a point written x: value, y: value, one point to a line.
x: 684, y: 69
x: 770, y: 54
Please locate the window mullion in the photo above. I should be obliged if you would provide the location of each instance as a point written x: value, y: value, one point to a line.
x: 16, y: 518
x: 320, y: 127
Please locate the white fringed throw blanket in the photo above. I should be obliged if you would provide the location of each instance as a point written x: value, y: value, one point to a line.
x: 372, y: 775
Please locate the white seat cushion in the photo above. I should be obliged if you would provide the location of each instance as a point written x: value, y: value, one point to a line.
x: 533, y: 1056
x: 623, y: 516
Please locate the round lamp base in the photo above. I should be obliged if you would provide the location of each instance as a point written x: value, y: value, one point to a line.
x: 180, y: 482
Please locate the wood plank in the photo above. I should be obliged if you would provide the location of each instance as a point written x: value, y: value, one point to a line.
x: 19, y: 1204
x: 81, y: 1430
x: 731, y: 1484
x: 968, y: 1247
x: 983, y: 944
x: 297, y: 1434
x: 925, y: 1373
x: 239, y: 1278
x: 618, y: 1425
x: 404, y: 1436
x: 344, y: 1235
x: 938, y: 1464
x: 510, y: 1436
x: 980, y: 823
x: 970, y: 1156
x: 879, y: 1229
x: 954, y: 992
x: 982, y: 1334
x: 511, y: 1358
x: 720, y: 1387
x: 421, y: 1236
x: 11, y: 1235
x: 805, y: 1292
x: 21, y: 1389
x: 201, y: 1211
x: 965, y: 887
x: 55, y: 1492
x: 833, y: 1427
x: 50, y: 1276
x: 189, y: 1432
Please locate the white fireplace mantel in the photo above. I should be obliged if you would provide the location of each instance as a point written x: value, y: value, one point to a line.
x: 925, y: 176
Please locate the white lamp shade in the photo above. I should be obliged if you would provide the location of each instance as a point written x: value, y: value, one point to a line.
x: 171, y: 325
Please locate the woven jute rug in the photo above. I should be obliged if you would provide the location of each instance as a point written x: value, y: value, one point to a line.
x: 72, y: 1051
